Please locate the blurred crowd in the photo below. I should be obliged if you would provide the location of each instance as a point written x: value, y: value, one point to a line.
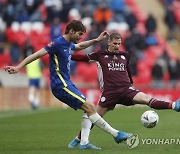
x: 28, y: 25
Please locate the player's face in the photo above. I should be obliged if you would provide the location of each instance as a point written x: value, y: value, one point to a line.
x: 76, y: 36
x: 114, y: 45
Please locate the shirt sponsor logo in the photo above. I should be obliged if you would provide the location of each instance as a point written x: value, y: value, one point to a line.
x: 113, y: 66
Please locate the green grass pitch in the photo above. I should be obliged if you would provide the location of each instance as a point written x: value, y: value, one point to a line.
x: 48, y: 131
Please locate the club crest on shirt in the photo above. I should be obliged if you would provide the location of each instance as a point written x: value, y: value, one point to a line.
x: 123, y: 57
x: 103, y: 99
x: 50, y: 44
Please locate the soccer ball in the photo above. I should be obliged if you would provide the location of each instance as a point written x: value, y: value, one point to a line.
x: 149, y: 119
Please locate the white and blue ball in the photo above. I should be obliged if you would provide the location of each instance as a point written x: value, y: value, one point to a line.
x: 149, y: 119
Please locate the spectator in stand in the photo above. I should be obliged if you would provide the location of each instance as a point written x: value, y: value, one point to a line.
x: 174, y: 72
x: 131, y: 19
x: 67, y: 5
x: 8, y: 13
x: 168, y: 3
x: 94, y: 32
x: 134, y: 44
x: 15, y: 53
x: 151, y: 40
x: 85, y: 7
x: 2, y: 42
x: 171, y: 23
x: 119, y: 10
x: 165, y: 56
x: 1, y: 47
x: 55, y: 28
x: 32, y: 9
x: 28, y: 48
x: 54, y: 8
x: 158, y: 71
x: 102, y: 15
x: 150, y: 24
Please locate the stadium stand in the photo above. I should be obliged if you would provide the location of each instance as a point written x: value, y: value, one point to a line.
x: 35, y: 25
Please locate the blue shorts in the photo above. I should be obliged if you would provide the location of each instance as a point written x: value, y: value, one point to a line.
x: 70, y: 95
x: 34, y: 82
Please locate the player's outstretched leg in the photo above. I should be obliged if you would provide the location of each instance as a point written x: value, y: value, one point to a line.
x: 176, y: 105
x: 74, y: 143
x: 83, y: 136
x: 122, y: 136
x: 97, y: 120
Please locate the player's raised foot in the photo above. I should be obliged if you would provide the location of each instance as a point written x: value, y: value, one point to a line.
x: 74, y: 143
x: 177, y: 105
x: 88, y: 146
x: 122, y: 136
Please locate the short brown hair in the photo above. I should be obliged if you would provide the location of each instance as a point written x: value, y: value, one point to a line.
x: 76, y: 26
x: 115, y: 36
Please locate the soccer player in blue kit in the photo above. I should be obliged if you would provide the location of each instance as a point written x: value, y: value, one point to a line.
x: 59, y: 51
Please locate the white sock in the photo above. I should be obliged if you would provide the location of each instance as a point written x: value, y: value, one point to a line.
x: 31, y: 98
x: 101, y: 123
x: 36, y: 101
x: 85, y: 129
x: 173, y: 105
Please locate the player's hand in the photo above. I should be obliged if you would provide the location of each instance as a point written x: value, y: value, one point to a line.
x: 11, y: 69
x: 102, y: 36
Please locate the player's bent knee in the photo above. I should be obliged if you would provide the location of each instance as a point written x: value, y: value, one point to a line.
x: 88, y: 108
x: 142, y: 98
x: 91, y: 107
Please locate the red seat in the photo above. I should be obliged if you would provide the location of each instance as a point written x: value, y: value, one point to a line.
x: 131, y: 3
x: 88, y: 72
x: 5, y: 59
x: 177, y: 15
x: 45, y: 60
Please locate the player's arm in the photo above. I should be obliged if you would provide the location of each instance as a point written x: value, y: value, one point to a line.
x: 27, y: 60
x: 80, y: 57
x: 129, y: 74
x: 129, y: 70
x: 88, y: 43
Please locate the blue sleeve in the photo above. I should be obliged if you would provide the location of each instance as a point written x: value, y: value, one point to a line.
x: 51, y: 47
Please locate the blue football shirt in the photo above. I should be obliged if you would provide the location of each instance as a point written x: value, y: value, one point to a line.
x: 59, y: 51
